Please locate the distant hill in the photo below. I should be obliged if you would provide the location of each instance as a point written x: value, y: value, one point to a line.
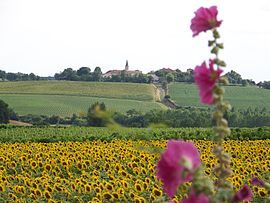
x: 66, y: 97
x: 240, y: 97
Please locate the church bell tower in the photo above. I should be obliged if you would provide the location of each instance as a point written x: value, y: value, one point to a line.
x: 126, y: 67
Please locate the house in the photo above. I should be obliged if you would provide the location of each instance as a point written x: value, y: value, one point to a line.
x: 155, y: 77
x: 111, y: 73
x: 126, y: 71
x: 167, y: 70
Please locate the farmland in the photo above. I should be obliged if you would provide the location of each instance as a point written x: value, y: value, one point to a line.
x: 65, y: 97
x: 240, y: 97
x: 88, y: 164
x: 100, y: 171
x: 82, y: 164
x: 61, y: 133
x: 131, y: 91
x: 64, y: 105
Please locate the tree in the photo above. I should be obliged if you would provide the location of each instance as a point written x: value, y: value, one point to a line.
x: 67, y: 74
x: 2, y: 75
x: 165, y: 87
x: 234, y: 77
x: 96, y: 115
x: 169, y: 77
x: 4, y: 112
x: 83, y: 71
x: 150, y: 79
x: 97, y: 74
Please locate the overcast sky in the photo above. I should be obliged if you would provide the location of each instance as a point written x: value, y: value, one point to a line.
x: 46, y: 36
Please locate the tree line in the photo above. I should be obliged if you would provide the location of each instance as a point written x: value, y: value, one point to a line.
x: 164, y: 76
x: 18, y: 76
x: 99, y: 116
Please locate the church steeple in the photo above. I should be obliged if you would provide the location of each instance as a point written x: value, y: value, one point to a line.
x: 126, y: 67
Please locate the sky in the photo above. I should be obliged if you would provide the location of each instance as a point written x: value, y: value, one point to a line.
x: 47, y: 36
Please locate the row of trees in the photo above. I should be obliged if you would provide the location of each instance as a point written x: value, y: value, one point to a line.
x: 99, y: 116
x: 175, y: 75
x: 193, y: 117
x: 265, y: 84
x: 165, y: 75
x: 236, y: 78
x: 85, y: 74
x: 82, y: 74
x: 17, y: 76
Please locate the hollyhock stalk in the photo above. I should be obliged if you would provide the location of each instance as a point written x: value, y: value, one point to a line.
x: 206, y: 19
x: 222, y: 171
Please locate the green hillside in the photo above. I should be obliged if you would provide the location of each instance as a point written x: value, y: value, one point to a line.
x: 141, y: 92
x: 66, y: 97
x: 240, y: 97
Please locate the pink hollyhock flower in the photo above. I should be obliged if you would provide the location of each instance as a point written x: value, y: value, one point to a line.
x: 170, y: 168
x: 205, y: 19
x: 256, y: 181
x: 245, y: 194
x: 193, y: 198
x: 206, y: 79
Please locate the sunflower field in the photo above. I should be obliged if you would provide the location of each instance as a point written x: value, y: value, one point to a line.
x: 115, y: 171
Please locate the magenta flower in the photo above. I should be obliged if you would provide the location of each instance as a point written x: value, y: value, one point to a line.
x: 256, y: 181
x: 194, y: 198
x: 245, y: 194
x: 206, y: 79
x: 169, y: 168
x: 205, y: 19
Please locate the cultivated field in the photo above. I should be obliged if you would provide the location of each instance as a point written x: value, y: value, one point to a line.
x: 66, y: 97
x: 141, y: 92
x: 64, y: 105
x: 240, y: 97
x: 116, y: 171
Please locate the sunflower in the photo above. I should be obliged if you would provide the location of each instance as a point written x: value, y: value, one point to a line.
x: 107, y: 196
x: 2, y: 188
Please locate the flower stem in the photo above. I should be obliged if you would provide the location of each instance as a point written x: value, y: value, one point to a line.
x: 222, y: 170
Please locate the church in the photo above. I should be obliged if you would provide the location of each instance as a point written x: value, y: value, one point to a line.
x: 126, y: 71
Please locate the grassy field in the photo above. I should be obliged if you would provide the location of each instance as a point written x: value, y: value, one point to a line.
x: 66, y: 97
x: 141, y: 92
x: 240, y: 97
x: 65, y: 105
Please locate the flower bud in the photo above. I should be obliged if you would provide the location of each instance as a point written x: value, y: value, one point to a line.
x: 224, y: 80
x: 225, y: 173
x: 221, y: 63
x: 219, y: 90
x: 211, y: 43
x: 214, y: 50
x: 217, y: 149
x: 227, y: 106
x: 220, y: 45
x: 217, y: 115
x: 216, y: 34
x: 222, y: 131
x: 224, y: 122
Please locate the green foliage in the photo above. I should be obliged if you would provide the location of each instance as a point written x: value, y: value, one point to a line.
x: 170, y: 77
x: 56, y: 134
x: 17, y: 76
x: 4, y: 112
x: 194, y: 117
x: 132, y: 118
x: 97, y: 115
x: 265, y: 84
